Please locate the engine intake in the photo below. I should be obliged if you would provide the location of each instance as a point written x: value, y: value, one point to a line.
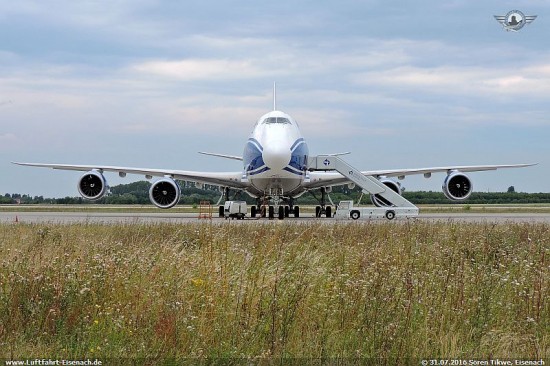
x: 165, y: 193
x: 457, y: 186
x: 380, y: 201
x: 92, y: 185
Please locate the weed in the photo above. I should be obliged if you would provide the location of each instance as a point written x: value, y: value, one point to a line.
x: 287, y: 290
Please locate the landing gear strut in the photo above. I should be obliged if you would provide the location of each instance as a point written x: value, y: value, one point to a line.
x: 322, y: 209
x: 291, y: 209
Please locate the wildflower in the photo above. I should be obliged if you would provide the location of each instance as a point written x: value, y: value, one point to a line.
x: 197, y: 282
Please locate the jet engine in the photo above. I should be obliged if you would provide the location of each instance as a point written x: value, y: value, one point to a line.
x: 380, y: 201
x: 165, y: 193
x: 457, y: 186
x: 92, y: 185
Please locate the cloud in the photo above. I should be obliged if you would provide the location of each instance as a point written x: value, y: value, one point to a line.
x: 205, y: 69
x: 163, y: 118
x: 7, y: 137
x: 487, y: 81
x: 8, y: 141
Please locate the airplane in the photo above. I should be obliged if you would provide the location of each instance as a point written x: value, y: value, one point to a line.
x: 275, y: 172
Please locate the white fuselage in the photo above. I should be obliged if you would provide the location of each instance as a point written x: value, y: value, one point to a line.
x: 275, y: 156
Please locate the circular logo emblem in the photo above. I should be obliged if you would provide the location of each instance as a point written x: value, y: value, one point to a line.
x: 514, y: 20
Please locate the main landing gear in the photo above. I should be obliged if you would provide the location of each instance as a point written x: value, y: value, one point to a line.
x: 271, y: 211
x: 282, y: 211
x: 323, y: 209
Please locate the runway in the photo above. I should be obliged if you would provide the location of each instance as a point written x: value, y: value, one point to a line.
x: 168, y: 217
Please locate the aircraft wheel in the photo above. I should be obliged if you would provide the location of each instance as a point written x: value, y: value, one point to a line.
x: 355, y: 215
x: 296, y: 211
x: 271, y: 212
x: 287, y: 211
x: 220, y: 211
x: 390, y: 215
x: 328, y: 211
x: 318, y: 211
x: 253, y: 211
x: 281, y: 212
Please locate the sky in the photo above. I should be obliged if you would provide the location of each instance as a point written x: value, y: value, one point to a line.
x: 400, y: 84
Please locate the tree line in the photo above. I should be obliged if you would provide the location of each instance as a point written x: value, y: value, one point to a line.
x: 138, y: 193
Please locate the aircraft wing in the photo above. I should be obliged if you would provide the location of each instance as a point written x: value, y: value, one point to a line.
x: 323, y: 179
x: 225, y: 179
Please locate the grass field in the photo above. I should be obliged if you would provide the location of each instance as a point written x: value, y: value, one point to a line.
x: 281, y: 290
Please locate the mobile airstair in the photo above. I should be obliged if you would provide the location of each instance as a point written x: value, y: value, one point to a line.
x: 400, y: 207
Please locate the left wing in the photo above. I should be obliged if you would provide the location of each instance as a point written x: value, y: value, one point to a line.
x: 225, y: 179
x: 323, y: 179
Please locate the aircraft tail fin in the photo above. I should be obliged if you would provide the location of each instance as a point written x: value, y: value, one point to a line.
x: 274, y: 96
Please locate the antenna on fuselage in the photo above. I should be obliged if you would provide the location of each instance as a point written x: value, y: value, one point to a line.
x: 274, y: 96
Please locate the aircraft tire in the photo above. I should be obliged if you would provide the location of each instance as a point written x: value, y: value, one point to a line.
x: 253, y: 211
x: 296, y: 211
x: 281, y: 212
x: 271, y: 212
x: 220, y: 211
x: 328, y: 211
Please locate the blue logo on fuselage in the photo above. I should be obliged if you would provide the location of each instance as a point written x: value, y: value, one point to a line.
x: 254, y: 162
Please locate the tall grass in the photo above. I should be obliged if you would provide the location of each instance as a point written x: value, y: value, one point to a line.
x: 230, y: 290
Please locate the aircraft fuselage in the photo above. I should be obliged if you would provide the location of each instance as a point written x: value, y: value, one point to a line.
x: 275, y: 156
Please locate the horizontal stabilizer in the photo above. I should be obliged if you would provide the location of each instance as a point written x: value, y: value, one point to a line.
x: 233, y: 157
x: 338, y: 154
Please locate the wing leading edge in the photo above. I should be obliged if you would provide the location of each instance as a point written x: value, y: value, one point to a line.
x: 225, y: 179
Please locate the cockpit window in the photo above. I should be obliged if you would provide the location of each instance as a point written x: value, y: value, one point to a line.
x: 282, y: 120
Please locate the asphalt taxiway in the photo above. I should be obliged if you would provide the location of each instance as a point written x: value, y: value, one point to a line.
x: 167, y: 217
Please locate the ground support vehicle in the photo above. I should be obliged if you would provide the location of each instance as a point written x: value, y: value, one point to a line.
x: 234, y: 210
x: 346, y: 210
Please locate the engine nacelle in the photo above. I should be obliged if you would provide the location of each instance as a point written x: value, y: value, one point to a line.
x: 457, y: 186
x: 380, y: 201
x: 165, y: 193
x: 92, y: 185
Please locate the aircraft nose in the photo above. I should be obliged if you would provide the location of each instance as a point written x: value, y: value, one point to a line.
x: 276, y: 156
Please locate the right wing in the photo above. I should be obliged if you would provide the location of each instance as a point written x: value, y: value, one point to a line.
x: 225, y: 179
x: 321, y: 179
